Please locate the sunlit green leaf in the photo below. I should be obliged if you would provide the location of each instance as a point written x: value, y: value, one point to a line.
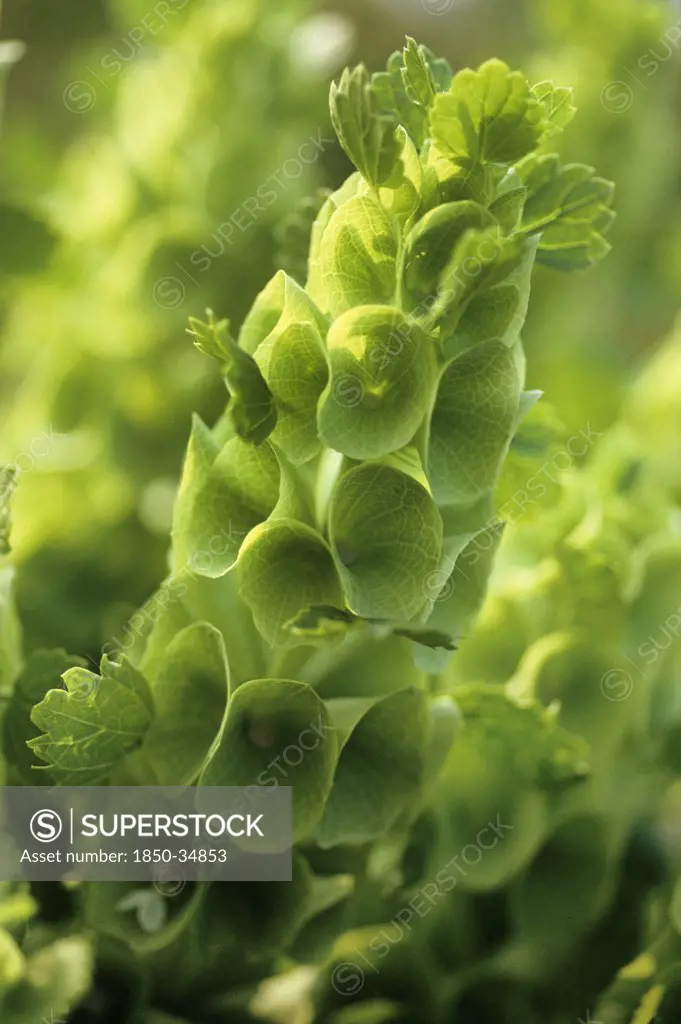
x: 90, y: 726
x: 383, y: 370
x: 489, y: 114
x: 357, y: 258
x: 472, y: 423
x: 386, y: 535
x: 366, y: 131
x: 284, y: 567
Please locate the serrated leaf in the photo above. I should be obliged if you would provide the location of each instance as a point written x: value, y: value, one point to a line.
x: 365, y: 130
x: 417, y: 74
x: 380, y: 769
x: 488, y: 115
x: 251, y: 407
x: 406, y: 89
x: 386, y: 536
x: 440, y: 69
x: 284, y: 567
x: 264, y: 718
x: 42, y: 672
x: 571, y: 207
x: 383, y: 371
x: 91, y: 725
x: 472, y: 423
x: 557, y: 100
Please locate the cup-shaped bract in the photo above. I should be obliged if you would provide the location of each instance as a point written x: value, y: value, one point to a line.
x: 338, y: 528
x: 383, y: 368
x: 386, y: 535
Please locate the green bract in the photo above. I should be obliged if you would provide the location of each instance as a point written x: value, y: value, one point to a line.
x: 333, y: 538
x: 401, y: 354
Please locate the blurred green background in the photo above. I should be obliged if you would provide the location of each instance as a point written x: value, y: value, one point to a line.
x: 156, y: 161
x: 162, y: 156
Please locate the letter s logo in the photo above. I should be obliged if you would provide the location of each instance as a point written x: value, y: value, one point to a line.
x: 46, y: 826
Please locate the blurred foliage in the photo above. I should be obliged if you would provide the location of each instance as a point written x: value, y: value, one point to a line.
x: 622, y: 59
x: 98, y: 384
x: 137, y: 228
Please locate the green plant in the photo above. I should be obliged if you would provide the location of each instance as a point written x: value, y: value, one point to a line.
x: 143, y: 210
x: 332, y: 541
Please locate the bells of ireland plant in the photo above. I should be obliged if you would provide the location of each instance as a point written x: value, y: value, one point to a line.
x: 317, y: 590
x: 372, y: 406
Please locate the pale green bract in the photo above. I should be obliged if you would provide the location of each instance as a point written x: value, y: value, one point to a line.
x: 371, y: 409
x: 333, y: 538
x: 406, y: 337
